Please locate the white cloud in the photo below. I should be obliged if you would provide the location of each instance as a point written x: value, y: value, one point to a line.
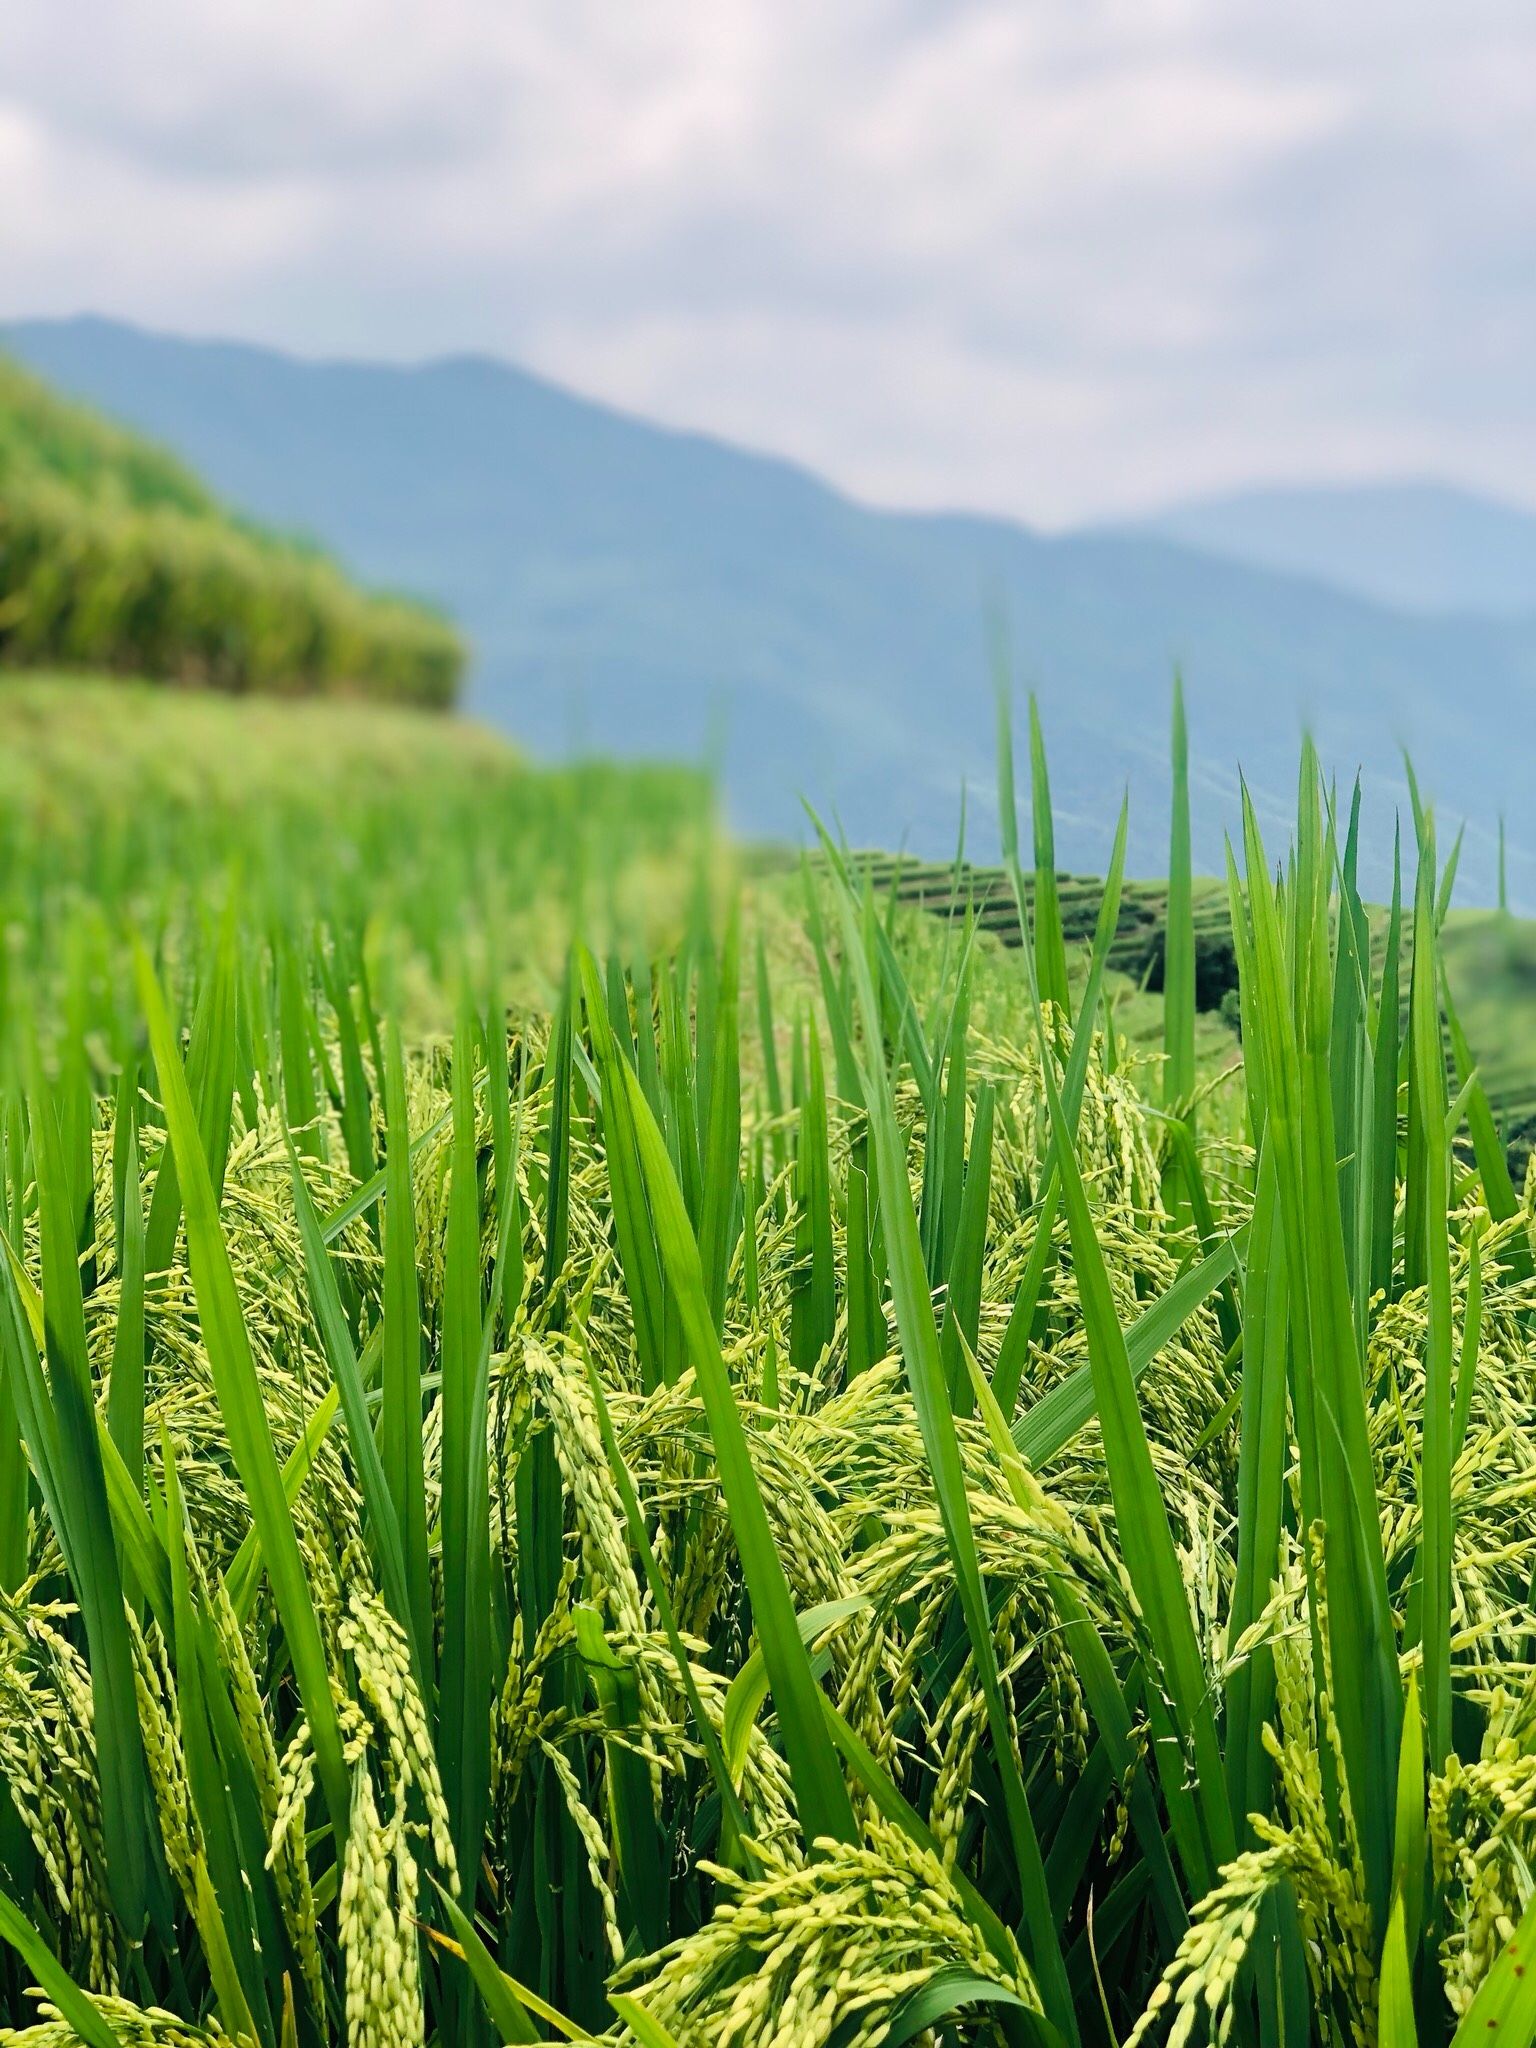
x: 1051, y: 259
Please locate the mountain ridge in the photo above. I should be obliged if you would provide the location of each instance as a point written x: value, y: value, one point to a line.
x: 637, y: 586
x: 1412, y: 543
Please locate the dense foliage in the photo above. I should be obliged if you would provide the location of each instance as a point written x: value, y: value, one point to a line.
x: 114, y: 557
x: 801, y: 1492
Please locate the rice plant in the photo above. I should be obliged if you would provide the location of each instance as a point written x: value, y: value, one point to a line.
x: 792, y: 1487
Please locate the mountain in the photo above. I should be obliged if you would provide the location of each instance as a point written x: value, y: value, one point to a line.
x: 643, y: 590
x: 1422, y: 547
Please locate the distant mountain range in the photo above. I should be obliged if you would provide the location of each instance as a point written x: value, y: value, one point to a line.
x: 642, y: 590
x: 1418, y: 546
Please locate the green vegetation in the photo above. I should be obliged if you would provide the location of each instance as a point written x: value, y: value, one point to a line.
x: 1489, y: 957
x: 112, y: 556
x: 783, y: 1488
x: 1136, y: 947
x: 428, y: 840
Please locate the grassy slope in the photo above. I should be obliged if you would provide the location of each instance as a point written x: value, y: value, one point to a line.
x: 113, y: 554
x: 431, y: 831
x: 1491, y: 959
x: 74, y: 738
x: 80, y: 756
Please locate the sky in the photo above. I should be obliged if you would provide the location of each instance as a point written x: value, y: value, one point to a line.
x: 1060, y: 259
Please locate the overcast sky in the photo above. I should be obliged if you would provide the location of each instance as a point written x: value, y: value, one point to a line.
x: 1058, y: 258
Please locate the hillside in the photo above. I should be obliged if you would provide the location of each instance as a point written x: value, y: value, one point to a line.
x: 426, y: 836
x: 1421, y: 547
x: 114, y: 556
x: 639, y: 589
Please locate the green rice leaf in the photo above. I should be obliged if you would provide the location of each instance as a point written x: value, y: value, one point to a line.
x: 1503, y: 2012
x: 1050, y: 948
x: 367, y: 1464
x: 1179, y: 946
x: 1048, y: 1425
x: 821, y: 1797
x: 464, y: 1680
x: 399, y: 1437
x: 504, y: 1999
x: 76, y: 2010
x: 925, y: 1375
x: 649, y: 2032
x: 1140, y: 1515
x: 950, y: 1990
x: 241, y: 1406
x: 81, y: 1494
x: 1435, y: 1460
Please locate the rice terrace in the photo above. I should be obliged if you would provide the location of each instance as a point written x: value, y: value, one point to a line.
x: 794, y: 1486
x: 610, y: 1436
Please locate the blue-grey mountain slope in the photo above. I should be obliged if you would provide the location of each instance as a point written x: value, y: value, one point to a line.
x: 639, y: 590
x: 1423, y: 547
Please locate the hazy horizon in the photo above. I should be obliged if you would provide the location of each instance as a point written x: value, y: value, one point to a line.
x: 1256, y: 486
x: 1063, y: 264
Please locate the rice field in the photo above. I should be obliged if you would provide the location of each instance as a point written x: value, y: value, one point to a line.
x: 596, y: 1449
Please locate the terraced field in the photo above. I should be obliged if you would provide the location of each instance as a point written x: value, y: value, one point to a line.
x: 1137, y: 947
x: 1490, y: 959
x: 595, y: 1452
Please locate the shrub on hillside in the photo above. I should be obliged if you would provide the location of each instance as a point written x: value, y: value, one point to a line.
x: 112, y: 556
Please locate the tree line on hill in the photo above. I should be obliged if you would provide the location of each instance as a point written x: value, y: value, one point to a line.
x: 114, y: 557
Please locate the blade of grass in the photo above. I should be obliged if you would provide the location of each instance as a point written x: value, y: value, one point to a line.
x: 221, y: 1910
x: 722, y: 1148
x: 465, y: 1676
x: 1012, y: 1353
x: 75, y: 2009
x: 125, y: 1393
x: 821, y: 1798
x: 1179, y: 943
x: 1471, y: 1338
x: 1141, y: 1517
x: 1049, y: 1424
x: 367, y: 1465
x: 1292, y: 1007
x: 704, y: 1728
x: 1435, y: 1459
x: 240, y: 1403
x: 919, y: 1340
x: 92, y: 1554
x: 400, y: 1420
x: 1050, y: 947
x: 1386, y: 1054
x: 1503, y: 2012
x: 503, y: 2001
x: 640, y: 1848
x: 638, y: 1256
